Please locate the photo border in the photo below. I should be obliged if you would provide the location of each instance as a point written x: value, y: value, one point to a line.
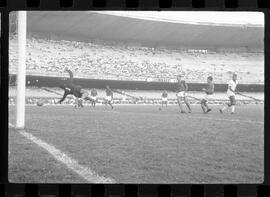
x: 7, y: 6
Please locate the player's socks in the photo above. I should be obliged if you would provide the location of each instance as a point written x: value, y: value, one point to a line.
x: 220, y: 110
x: 233, y: 109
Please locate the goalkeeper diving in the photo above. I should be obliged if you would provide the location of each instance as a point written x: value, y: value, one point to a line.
x: 76, y: 90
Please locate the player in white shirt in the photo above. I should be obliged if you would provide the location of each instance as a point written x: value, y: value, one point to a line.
x: 231, y: 93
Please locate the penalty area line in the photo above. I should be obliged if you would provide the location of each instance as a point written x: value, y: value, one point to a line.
x: 73, y: 165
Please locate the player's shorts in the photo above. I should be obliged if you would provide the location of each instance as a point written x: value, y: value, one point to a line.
x: 230, y: 93
x: 108, y: 98
x: 208, y: 97
x: 164, y: 99
x: 232, y: 100
x: 93, y: 97
x: 181, y: 94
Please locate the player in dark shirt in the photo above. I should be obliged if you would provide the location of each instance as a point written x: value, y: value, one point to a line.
x: 109, y: 96
x: 93, y: 97
x: 182, y: 89
x: 209, y: 91
x: 71, y: 89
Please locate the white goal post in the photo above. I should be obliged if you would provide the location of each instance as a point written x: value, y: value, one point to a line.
x: 21, y: 70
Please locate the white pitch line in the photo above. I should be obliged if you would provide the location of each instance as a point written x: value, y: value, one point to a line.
x: 84, y: 172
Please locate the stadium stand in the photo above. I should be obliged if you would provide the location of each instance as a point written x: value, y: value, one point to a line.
x: 120, y: 61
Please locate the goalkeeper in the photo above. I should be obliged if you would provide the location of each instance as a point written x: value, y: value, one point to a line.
x: 71, y: 89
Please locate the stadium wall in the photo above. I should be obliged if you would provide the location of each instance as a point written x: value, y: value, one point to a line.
x: 43, y: 81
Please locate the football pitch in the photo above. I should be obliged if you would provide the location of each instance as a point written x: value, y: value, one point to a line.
x: 137, y: 144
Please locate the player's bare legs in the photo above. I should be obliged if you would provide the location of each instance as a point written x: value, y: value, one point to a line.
x: 230, y: 104
x: 233, y: 102
x: 110, y: 103
x: 106, y: 103
x: 187, y: 104
x: 80, y: 103
x: 163, y: 103
x: 202, y: 105
x: 224, y: 108
x: 84, y: 97
x: 179, y: 100
x: 205, y: 107
x: 94, y: 104
x: 92, y: 101
x: 76, y: 103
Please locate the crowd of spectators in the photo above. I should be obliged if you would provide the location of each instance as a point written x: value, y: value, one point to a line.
x: 102, y: 60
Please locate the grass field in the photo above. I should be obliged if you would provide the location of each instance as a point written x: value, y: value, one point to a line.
x: 139, y: 144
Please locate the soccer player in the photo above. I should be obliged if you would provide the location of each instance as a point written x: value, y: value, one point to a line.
x: 109, y: 96
x: 182, y: 89
x: 78, y: 102
x: 164, y: 98
x: 71, y: 89
x: 94, y: 97
x: 231, y: 94
x: 209, y: 90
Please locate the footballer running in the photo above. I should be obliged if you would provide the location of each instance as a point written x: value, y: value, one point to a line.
x: 209, y: 91
x: 109, y: 96
x: 231, y: 94
x: 182, y: 89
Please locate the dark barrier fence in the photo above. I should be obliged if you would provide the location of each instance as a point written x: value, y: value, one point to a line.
x: 44, y: 81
